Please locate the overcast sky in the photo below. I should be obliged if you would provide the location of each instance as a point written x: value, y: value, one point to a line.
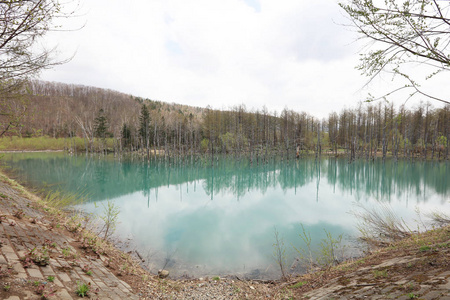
x: 286, y: 53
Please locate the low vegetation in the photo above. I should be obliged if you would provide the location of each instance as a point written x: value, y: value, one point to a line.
x: 46, y: 143
x: 82, y: 289
x: 110, y: 216
x: 380, y: 226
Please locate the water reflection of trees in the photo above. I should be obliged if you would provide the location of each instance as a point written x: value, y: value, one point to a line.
x: 382, y: 180
x: 110, y: 178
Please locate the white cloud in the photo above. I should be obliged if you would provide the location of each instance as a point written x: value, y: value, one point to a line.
x: 259, y: 52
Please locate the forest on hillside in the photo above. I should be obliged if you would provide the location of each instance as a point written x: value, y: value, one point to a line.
x: 107, y: 120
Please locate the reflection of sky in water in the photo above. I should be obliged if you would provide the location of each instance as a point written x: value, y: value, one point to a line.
x: 230, y: 235
x: 223, y: 219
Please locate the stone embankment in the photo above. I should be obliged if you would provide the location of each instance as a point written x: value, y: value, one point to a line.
x: 26, y: 238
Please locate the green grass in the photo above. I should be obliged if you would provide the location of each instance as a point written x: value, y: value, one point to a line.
x: 37, y: 143
x: 298, y: 285
x: 379, y: 273
x: 82, y: 289
x: 46, y: 143
x: 51, y: 278
x: 424, y: 248
x: 66, y: 252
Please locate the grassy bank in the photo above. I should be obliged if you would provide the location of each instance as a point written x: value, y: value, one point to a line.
x: 38, y: 143
x: 45, y: 143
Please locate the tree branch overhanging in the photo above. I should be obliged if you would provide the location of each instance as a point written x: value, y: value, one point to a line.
x: 414, y: 31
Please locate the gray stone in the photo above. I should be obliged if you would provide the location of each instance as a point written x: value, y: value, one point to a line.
x: 63, y: 295
x: 163, y: 273
x: 432, y: 295
x: 64, y: 277
x: 35, y: 273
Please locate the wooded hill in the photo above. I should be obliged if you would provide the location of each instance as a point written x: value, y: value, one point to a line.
x: 114, y: 121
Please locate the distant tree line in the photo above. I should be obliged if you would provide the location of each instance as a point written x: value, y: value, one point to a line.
x: 111, y: 121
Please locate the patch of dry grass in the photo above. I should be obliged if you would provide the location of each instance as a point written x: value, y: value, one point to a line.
x: 380, y: 226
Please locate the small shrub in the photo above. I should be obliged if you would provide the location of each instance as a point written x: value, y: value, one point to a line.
x: 45, y: 291
x: 51, y: 278
x: 110, y: 216
x: 331, y: 250
x: 66, y: 252
x: 279, y: 253
x: 380, y: 226
x: 328, y: 250
x: 39, y: 257
x: 306, y: 253
x: 438, y: 218
x: 216, y: 278
x: 82, y: 289
x: 26, y: 261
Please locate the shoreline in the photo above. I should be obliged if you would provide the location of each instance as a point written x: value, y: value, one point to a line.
x: 326, y: 154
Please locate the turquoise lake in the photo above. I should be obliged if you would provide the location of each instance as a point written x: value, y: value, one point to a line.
x: 195, y: 219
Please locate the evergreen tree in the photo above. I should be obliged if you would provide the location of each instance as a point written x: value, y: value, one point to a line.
x: 144, y: 123
x: 126, y: 135
x: 101, y: 125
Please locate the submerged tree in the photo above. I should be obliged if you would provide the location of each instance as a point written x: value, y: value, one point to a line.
x: 407, y: 32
